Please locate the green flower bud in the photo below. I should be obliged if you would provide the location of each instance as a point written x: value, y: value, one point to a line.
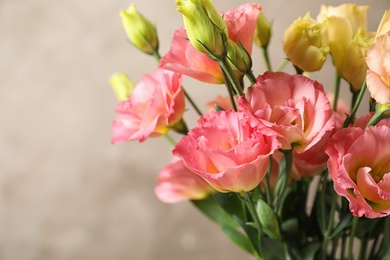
x: 305, y: 44
x: 205, y: 27
x: 140, y: 31
x: 122, y: 85
x: 238, y: 57
x: 263, y: 31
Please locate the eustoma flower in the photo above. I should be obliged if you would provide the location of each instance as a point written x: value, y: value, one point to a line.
x: 305, y: 43
x: 360, y: 169
x: 226, y: 151
x: 182, y: 57
x: 176, y: 183
x: 155, y: 105
x: 293, y: 105
x: 348, y: 40
x: 378, y: 75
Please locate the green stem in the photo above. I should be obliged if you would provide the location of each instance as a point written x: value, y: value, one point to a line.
x: 343, y: 245
x: 223, y: 62
x: 386, y: 234
x: 282, y: 190
x: 252, y: 211
x: 156, y: 54
x: 372, y: 251
x: 356, y: 105
x: 191, y: 101
x: 336, y: 91
x: 363, y: 247
x: 267, y: 183
x: 330, y: 224
x: 230, y: 91
x: 266, y: 58
x: 355, y: 222
x: 170, y: 139
x: 282, y: 65
x: 251, y: 77
x: 375, y: 119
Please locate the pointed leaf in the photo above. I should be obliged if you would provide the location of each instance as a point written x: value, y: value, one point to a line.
x: 239, y: 239
x: 215, y: 212
x: 268, y: 220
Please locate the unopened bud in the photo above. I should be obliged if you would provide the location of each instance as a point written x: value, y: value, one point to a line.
x: 122, y: 85
x: 205, y: 27
x: 140, y: 31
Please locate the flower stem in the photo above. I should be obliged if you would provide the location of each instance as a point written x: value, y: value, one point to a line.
x: 267, y: 183
x: 191, y: 102
x: 223, y: 62
x: 251, y: 77
x: 355, y: 222
x: 282, y: 189
x: 230, y: 91
x: 356, y: 105
x: 170, y: 139
x: 282, y: 65
x: 336, y: 91
x: 252, y: 211
x: 266, y: 58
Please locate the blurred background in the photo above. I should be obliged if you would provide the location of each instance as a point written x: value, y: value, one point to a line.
x: 65, y: 191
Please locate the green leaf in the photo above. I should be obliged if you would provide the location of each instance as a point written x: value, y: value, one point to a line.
x: 251, y: 233
x: 268, y: 220
x: 290, y: 226
x: 273, y: 249
x: 239, y: 239
x: 344, y: 222
x: 215, y: 212
x: 232, y: 204
x: 309, y: 252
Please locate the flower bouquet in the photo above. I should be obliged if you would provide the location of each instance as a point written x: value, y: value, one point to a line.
x: 250, y: 161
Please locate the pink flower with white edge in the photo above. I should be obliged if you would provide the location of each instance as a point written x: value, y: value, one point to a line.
x: 156, y: 103
x: 359, y: 164
x: 183, y: 58
x: 177, y: 183
x: 226, y: 151
x: 293, y: 105
x: 378, y: 75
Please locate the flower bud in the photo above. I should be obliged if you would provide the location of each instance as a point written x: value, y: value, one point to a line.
x: 122, y: 85
x: 205, y: 27
x: 140, y: 31
x: 384, y: 26
x: 354, y: 67
x: 305, y: 44
x: 238, y: 57
x: 263, y: 31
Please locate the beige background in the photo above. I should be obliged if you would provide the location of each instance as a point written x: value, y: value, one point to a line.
x: 65, y: 191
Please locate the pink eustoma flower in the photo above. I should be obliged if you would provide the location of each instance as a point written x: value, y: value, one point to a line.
x: 226, y: 151
x: 378, y: 75
x: 293, y: 105
x: 183, y: 58
x: 177, y: 183
x: 156, y: 103
x: 359, y: 165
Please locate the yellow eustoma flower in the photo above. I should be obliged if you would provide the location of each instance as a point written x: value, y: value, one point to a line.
x: 305, y: 44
